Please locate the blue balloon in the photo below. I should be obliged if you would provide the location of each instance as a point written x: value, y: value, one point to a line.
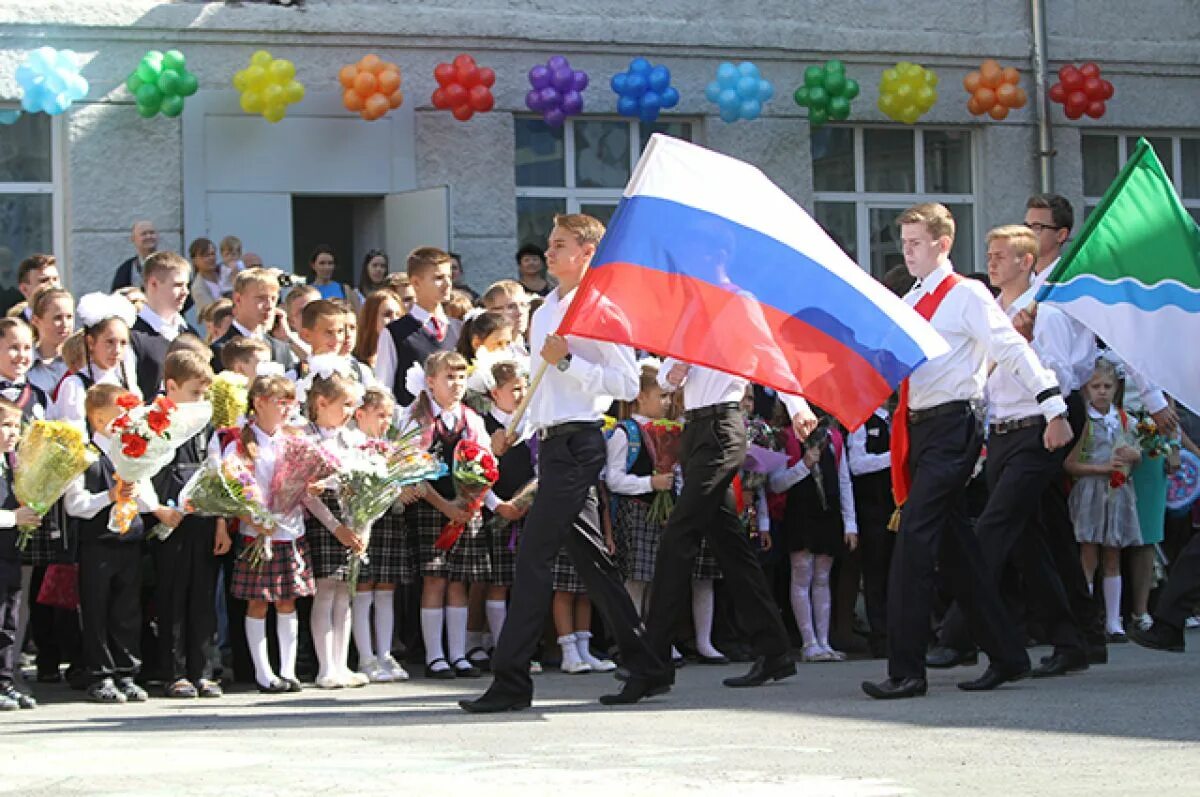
x: 729, y: 115
x: 727, y: 74
x: 627, y: 106
x: 766, y: 90
x: 648, y: 115
x: 747, y: 87
x: 9, y: 116
x: 618, y: 82
x: 635, y: 84
x: 751, y: 109
x: 670, y: 97
x: 639, y: 65
x: 50, y: 81
x: 660, y: 78
x: 651, y: 102
x: 643, y: 90
x: 728, y: 98
x: 748, y: 69
x: 713, y: 92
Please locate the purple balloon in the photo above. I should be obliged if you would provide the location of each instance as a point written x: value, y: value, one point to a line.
x: 554, y: 117
x: 572, y: 103
x: 580, y: 80
x: 539, y: 77
x: 533, y: 100
x: 557, y: 62
x: 550, y: 97
x: 564, y: 79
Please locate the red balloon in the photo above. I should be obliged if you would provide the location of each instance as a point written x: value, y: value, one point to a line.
x: 455, y: 95
x: 463, y: 62
x: 487, y: 76
x: 1094, y: 88
x: 1096, y: 109
x: 468, y: 77
x: 444, y: 74
x: 1077, y: 101
x: 1089, y: 70
x: 1108, y: 90
x: 481, y: 99
x: 439, y: 99
x: 1071, y: 78
x: 1058, y: 93
x: 463, y: 112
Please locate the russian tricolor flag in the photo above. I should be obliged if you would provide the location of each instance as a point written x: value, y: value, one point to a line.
x: 709, y: 261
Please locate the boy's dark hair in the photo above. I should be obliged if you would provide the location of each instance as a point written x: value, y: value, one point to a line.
x: 34, y: 263
x: 1059, y: 206
x: 530, y: 249
x: 318, y: 309
x: 424, y: 259
x: 239, y: 350
x: 184, y: 366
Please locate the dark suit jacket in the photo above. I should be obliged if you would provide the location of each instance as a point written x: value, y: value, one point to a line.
x: 124, y: 276
x: 150, y: 350
x: 280, y: 351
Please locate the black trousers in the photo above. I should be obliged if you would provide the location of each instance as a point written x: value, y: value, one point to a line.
x: 1010, y: 529
x: 1179, y: 597
x: 713, y: 451
x: 565, y: 515
x: 110, y: 584
x: 875, y: 545
x: 934, y: 535
x: 10, y: 612
x: 185, y: 599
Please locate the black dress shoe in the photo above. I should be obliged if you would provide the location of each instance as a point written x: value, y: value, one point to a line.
x: 276, y: 687
x: 896, y: 688
x: 766, y: 668
x: 490, y: 703
x: 1061, y: 664
x: 712, y: 660
x: 942, y: 658
x: 1160, y: 637
x: 991, y: 678
x: 636, y: 689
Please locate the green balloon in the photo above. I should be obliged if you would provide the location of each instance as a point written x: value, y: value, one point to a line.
x: 147, y: 72
x: 817, y: 117
x: 133, y: 83
x: 172, y: 106
x: 835, y: 66
x: 149, y: 95
x: 188, y: 84
x: 839, y: 108
x: 835, y: 83
x: 173, y: 60
x: 814, y: 77
x: 801, y: 96
x: 851, y: 89
x: 155, y: 58
x: 818, y: 98
x: 146, y: 111
x: 168, y: 82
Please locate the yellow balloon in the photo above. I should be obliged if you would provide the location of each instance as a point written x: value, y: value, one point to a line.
x: 252, y: 102
x: 931, y: 77
x: 890, y: 78
x: 239, y: 80
x: 282, y: 70
x: 273, y: 94
x: 926, y: 97
x: 261, y: 58
x: 274, y: 113
x: 293, y: 92
x: 256, y: 77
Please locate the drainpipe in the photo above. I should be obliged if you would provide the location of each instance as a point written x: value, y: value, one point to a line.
x: 1046, y: 152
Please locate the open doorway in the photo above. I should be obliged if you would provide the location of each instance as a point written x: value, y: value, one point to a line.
x: 350, y: 225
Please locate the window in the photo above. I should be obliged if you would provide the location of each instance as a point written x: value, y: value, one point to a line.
x: 1105, y: 154
x: 28, y: 200
x: 865, y: 176
x: 581, y: 167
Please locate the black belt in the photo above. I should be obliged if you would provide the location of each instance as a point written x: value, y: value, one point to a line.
x: 949, y: 408
x: 712, y: 410
x: 1004, y: 427
x: 570, y: 427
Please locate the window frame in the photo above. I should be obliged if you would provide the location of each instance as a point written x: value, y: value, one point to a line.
x: 1175, y: 167
x: 55, y: 188
x: 864, y: 201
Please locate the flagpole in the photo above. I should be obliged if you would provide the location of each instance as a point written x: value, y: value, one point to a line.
x: 519, y: 412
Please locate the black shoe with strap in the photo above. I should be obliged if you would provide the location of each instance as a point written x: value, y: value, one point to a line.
x: 463, y: 668
x: 446, y: 674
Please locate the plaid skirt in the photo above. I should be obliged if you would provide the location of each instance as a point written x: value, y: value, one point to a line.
x: 504, y: 559
x: 566, y: 579
x: 43, y: 550
x: 705, y: 567
x: 468, y: 561
x: 636, y: 537
x: 286, y: 575
x: 390, y: 552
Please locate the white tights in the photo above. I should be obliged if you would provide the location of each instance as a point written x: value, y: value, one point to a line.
x: 811, y: 597
x: 331, y: 627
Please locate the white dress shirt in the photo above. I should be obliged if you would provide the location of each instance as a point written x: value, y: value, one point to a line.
x: 703, y: 387
x: 861, y: 463
x: 81, y: 503
x: 449, y: 418
x: 784, y: 479
x: 616, y: 475
x: 46, y: 372
x: 385, y: 352
x: 289, y: 527
x: 977, y: 330
x: 1007, y: 400
x: 8, y: 517
x: 168, y: 329
x: 599, y: 372
x: 71, y: 393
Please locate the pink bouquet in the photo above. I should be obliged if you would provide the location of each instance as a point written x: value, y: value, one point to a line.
x: 299, y: 463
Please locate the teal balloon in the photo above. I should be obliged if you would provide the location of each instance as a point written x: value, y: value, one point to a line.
x: 149, y: 96
x: 173, y: 60
x: 168, y: 82
x: 835, y: 83
x: 801, y: 96
x: 839, y: 108
x: 818, y: 97
x: 188, y: 84
x: 814, y: 77
x: 172, y: 105
x: 852, y: 89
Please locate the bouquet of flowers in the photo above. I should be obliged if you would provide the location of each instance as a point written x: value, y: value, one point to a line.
x: 227, y: 394
x: 226, y: 488
x: 299, y: 462
x: 50, y: 455
x: 370, y: 477
x: 663, y: 438
x: 763, y: 434
x: 1152, y: 442
x: 763, y: 453
x: 474, y: 474
x: 146, y: 438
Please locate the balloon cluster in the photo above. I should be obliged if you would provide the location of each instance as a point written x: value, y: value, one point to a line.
x: 1081, y: 90
x: 739, y: 91
x: 160, y: 83
x: 371, y: 87
x: 644, y: 90
x: 826, y: 93
x: 994, y: 90
x: 464, y: 88
x: 907, y: 92
x: 268, y: 86
x: 556, y: 90
x: 50, y: 81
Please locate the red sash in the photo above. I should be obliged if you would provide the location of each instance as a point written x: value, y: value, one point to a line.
x: 901, y: 477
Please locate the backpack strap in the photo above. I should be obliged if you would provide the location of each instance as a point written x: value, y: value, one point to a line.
x: 634, y: 433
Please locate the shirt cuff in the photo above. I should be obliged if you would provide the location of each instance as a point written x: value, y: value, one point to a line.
x: 1154, y: 401
x: 491, y: 501
x: 8, y: 519
x: 1052, y: 407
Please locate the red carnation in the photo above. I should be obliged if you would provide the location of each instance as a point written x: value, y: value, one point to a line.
x: 469, y: 449
x: 122, y: 422
x: 158, y: 421
x: 128, y: 401
x: 1117, y: 479
x: 164, y: 404
x: 133, y: 445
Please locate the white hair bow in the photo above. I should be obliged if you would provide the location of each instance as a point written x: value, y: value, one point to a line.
x: 414, y: 380
x: 269, y: 368
x: 482, y: 378
x: 324, y: 366
x: 472, y: 314
x: 649, y: 362
x: 95, y: 308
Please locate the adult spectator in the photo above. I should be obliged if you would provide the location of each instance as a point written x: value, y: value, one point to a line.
x: 456, y: 274
x: 374, y: 274
x: 145, y: 243
x: 531, y: 270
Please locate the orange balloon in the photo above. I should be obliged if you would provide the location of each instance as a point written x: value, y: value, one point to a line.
x: 389, y: 81
x: 352, y: 100
x: 985, y: 97
x: 971, y: 82
x: 370, y: 63
x: 991, y: 74
x: 396, y: 99
x: 1011, y: 75
x: 346, y: 76
x: 998, y: 112
x: 376, y: 106
x: 1021, y: 99
x: 1006, y: 95
x: 974, y: 107
x: 365, y: 83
